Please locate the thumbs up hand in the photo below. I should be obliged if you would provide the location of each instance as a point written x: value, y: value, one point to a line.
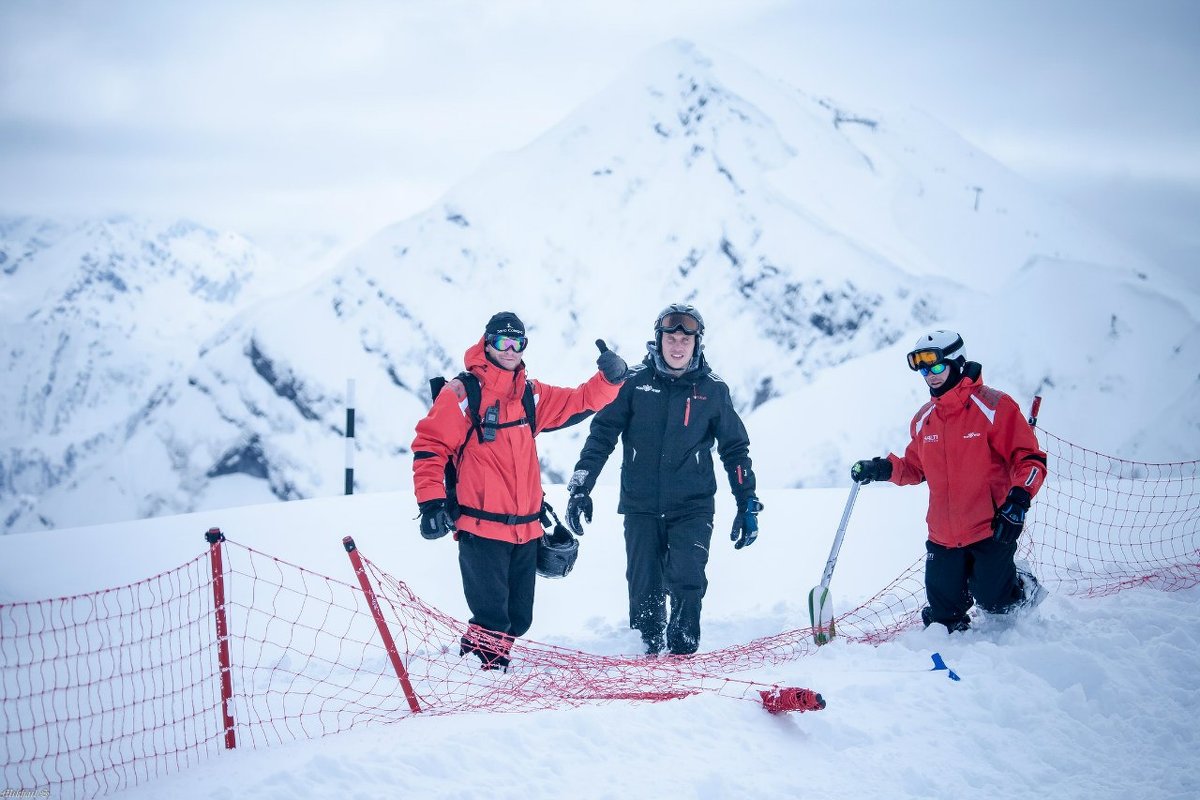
x: 610, y: 364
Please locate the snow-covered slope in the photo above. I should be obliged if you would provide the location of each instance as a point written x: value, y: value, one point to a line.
x: 99, y: 321
x: 818, y: 241
x: 1080, y: 683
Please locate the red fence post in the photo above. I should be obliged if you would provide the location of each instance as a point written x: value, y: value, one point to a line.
x: 388, y: 642
x: 214, y: 537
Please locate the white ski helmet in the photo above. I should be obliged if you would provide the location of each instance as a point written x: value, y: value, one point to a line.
x: 937, y: 347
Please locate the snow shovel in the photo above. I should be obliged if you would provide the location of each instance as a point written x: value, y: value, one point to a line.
x: 820, y: 607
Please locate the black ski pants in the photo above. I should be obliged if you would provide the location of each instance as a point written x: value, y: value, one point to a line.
x: 958, y: 577
x: 666, y: 557
x: 498, y: 581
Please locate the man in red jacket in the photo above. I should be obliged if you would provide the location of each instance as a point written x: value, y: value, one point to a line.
x: 983, y: 464
x: 499, y: 477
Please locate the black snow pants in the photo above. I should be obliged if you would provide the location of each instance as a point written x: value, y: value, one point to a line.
x: 667, y: 558
x: 958, y: 577
x: 498, y: 581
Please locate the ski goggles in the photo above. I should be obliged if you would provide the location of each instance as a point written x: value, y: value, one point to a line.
x: 678, y: 321
x: 923, y: 359
x: 515, y: 343
x: 928, y: 356
x: 934, y: 369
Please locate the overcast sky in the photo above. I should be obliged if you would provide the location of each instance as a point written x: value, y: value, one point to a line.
x: 341, y: 117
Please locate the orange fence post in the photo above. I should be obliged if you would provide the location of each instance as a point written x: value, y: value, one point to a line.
x: 389, y: 643
x: 214, y: 537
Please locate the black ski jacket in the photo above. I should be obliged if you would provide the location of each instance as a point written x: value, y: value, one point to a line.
x: 667, y: 426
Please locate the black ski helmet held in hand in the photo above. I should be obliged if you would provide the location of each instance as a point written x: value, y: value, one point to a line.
x: 556, y: 553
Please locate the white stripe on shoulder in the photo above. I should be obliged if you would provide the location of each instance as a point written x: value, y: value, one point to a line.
x: 924, y: 417
x: 990, y: 413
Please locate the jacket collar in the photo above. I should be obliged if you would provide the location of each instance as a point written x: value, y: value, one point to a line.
x: 971, y: 380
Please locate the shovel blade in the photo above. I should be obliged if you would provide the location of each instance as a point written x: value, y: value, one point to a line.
x: 820, y: 613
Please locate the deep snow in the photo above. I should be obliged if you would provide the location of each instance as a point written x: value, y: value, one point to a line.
x: 1084, y: 698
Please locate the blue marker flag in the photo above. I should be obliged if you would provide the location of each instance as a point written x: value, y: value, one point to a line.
x: 938, y: 663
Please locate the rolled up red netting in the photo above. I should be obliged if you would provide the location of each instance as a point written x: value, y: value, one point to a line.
x: 782, y: 699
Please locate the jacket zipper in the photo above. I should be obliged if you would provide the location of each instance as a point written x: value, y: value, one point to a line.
x: 687, y: 411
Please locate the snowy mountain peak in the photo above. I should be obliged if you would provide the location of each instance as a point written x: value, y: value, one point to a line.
x: 817, y: 241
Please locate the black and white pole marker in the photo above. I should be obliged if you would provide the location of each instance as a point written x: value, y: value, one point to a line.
x: 350, y: 436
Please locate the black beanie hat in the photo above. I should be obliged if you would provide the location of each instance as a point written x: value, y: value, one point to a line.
x: 506, y: 323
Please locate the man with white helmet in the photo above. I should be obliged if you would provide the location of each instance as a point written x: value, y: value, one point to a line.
x: 983, y: 464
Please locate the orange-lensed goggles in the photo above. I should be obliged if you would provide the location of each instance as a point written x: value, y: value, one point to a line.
x: 924, y: 358
x: 675, y: 322
x: 927, y: 357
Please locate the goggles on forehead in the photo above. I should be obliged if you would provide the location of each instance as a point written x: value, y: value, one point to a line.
x: 677, y: 321
x: 515, y: 343
x: 923, y: 359
x: 928, y: 356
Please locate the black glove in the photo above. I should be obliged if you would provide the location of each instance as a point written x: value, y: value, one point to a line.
x: 611, y: 364
x: 877, y: 469
x: 580, y: 504
x: 1010, y: 517
x: 745, y: 524
x: 435, y: 520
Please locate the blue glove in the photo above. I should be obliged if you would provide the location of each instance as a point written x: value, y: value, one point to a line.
x: 435, y: 520
x: 580, y: 502
x: 1010, y: 517
x: 876, y: 469
x: 745, y: 524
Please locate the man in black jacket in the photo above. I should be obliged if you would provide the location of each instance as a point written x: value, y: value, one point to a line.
x: 668, y: 413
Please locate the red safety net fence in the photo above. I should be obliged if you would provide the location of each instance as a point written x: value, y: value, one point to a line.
x: 237, y: 648
x: 1099, y: 525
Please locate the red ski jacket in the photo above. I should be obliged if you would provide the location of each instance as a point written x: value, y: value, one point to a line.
x: 972, y: 445
x: 501, y: 476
